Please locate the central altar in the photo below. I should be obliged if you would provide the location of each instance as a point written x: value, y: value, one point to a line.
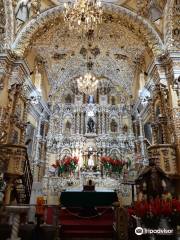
x: 88, y: 198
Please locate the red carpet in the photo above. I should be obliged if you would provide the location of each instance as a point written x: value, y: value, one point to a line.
x: 98, y: 227
x: 77, y: 227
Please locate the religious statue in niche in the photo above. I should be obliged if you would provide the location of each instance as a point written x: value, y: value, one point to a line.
x: 68, y: 99
x: 125, y: 128
x: 91, y: 99
x: 68, y: 127
x: 114, y: 126
x: 90, y: 125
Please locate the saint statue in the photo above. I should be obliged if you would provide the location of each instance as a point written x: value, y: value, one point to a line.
x: 22, y: 11
x: 151, y: 180
x: 90, y: 125
x: 91, y: 99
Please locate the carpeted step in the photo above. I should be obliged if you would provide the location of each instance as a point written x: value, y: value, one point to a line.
x: 87, y: 227
x: 73, y: 226
x: 86, y: 233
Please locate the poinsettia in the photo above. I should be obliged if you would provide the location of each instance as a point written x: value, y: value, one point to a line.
x: 68, y: 164
x: 151, y: 211
x: 113, y: 165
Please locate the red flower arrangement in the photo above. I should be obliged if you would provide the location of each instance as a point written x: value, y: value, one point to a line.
x: 69, y: 164
x: 113, y: 165
x: 152, y: 211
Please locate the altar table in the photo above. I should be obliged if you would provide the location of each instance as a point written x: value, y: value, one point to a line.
x: 87, y: 198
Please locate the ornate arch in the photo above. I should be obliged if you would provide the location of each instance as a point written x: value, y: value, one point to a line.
x: 25, y: 36
x: 114, y: 151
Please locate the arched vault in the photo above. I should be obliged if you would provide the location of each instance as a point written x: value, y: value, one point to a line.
x: 47, y: 18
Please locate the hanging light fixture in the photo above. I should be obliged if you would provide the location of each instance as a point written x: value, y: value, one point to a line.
x: 87, y: 84
x: 83, y: 15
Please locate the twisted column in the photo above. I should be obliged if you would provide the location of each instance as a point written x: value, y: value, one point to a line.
x: 15, y: 227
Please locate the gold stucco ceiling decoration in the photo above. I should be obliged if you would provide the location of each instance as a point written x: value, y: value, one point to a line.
x: 48, y: 18
x: 115, y: 53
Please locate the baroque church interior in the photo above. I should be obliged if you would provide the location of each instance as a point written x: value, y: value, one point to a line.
x: 89, y: 119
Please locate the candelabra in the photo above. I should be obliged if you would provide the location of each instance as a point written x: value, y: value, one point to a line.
x: 83, y: 15
x: 87, y: 84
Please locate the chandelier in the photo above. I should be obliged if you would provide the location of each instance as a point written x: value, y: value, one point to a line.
x: 83, y: 15
x: 87, y: 84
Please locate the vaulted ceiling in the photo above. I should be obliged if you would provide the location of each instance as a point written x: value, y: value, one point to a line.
x: 120, y: 49
x: 115, y: 52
